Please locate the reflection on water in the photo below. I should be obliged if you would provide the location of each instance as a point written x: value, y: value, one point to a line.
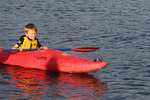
x: 38, y: 85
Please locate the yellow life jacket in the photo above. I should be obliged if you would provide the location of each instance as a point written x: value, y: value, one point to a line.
x: 28, y: 43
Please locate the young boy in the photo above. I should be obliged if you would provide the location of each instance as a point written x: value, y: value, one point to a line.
x: 29, y: 39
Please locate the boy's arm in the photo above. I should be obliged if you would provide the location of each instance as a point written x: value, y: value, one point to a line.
x: 38, y: 44
x: 20, y: 41
x: 41, y: 46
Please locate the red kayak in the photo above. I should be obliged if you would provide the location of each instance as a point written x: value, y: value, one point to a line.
x: 52, y: 60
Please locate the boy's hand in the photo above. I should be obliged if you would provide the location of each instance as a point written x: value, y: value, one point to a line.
x: 20, y: 49
x: 44, y: 47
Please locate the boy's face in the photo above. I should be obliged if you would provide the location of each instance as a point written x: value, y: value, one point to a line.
x: 31, y: 34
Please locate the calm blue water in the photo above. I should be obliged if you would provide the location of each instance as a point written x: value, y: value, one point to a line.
x: 120, y: 27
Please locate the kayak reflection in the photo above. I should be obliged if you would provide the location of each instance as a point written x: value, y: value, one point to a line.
x: 37, y: 84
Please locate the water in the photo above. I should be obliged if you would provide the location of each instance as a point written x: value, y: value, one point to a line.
x: 120, y: 27
x: 25, y: 84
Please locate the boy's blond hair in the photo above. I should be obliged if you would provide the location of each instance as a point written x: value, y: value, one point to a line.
x: 30, y: 26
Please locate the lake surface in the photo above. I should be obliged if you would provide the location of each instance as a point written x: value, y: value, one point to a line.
x: 121, y: 28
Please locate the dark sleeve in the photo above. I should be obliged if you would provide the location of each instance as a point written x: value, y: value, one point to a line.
x: 38, y: 44
x: 20, y: 41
